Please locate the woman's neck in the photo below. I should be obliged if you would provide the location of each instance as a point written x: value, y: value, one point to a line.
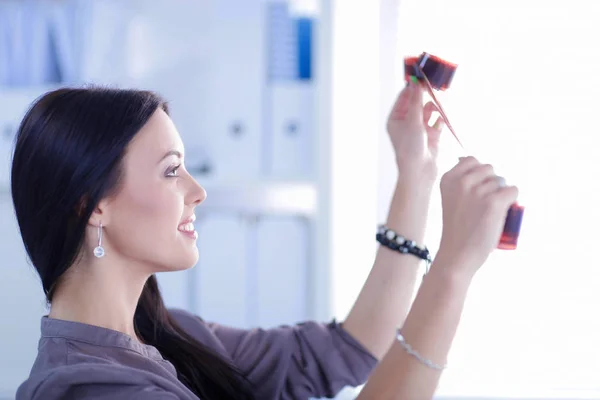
x: 101, y: 295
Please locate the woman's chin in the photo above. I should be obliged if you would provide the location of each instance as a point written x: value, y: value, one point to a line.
x: 184, y: 262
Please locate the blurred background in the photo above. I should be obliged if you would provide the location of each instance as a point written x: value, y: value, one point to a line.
x: 282, y: 107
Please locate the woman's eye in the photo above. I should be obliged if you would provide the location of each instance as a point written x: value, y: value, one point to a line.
x: 172, y: 172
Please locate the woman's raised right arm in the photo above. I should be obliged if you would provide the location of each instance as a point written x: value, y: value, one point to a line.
x: 475, y: 203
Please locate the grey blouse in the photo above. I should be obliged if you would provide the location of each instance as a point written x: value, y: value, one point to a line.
x: 84, y: 362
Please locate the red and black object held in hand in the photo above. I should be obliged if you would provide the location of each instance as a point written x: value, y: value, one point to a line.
x: 436, y: 74
x: 512, y: 227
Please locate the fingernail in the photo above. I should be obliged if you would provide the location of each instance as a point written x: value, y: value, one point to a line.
x: 438, y: 124
x: 414, y: 79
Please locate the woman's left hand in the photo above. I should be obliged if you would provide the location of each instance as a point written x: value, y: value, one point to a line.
x: 415, y: 141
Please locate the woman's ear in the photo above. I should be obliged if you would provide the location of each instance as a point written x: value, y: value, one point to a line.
x: 100, y: 215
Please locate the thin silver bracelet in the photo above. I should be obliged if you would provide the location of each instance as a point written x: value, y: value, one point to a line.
x: 408, y: 348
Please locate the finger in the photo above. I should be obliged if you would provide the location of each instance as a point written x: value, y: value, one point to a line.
x: 506, y: 196
x: 434, y: 133
x: 439, y: 124
x: 428, y: 111
x: 415, y: 104
x: 477, y: 175
x: 400, y: 107
x: 490, y: 185
x: 464, y: 165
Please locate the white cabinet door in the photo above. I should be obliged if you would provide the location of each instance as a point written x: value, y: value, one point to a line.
x: 283, y: 269
x: 291, y: 130
x: 220, y: 277
x: 289, y: 93
x: 235, y: 84
x: 175, y: 289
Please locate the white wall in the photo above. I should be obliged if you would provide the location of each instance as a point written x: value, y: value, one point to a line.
x: 355, y: 126
x: 523, y: 98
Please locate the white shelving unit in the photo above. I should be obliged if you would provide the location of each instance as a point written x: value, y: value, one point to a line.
x: 289, y: 164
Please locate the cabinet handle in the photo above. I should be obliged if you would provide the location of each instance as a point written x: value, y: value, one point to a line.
x: 292, y: 128
x: 236, y: 129
x: 7, y: 131
x: 202, y: 169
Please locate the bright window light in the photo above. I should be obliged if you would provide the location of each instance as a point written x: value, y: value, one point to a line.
x: 523, y: 99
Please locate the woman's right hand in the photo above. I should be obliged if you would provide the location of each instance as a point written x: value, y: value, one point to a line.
x: 475, y: 203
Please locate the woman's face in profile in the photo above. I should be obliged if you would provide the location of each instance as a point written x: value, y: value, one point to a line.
x: 150, y: 217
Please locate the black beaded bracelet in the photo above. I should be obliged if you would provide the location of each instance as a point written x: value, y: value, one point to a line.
x: 390, y: 239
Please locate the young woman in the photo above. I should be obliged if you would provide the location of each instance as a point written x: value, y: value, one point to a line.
x: 103, y: 202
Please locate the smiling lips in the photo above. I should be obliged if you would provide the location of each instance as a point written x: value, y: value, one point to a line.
x: 187, y: 227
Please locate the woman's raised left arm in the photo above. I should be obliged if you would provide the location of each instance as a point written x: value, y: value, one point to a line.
x: 385, y: 299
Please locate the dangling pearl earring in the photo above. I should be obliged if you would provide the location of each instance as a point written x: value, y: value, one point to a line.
x: 99, y: 250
